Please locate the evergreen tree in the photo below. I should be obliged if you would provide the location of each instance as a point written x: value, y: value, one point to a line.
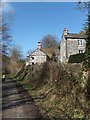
x: 87, y: 29
x: 86, y: 63
x: 85, y: 6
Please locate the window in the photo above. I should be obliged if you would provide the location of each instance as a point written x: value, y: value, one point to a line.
x: 32, y: 63
x: 80, y: 51
x: 79, y: 42
x: 32, y: 58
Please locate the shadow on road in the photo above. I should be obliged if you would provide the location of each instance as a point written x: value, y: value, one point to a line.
x: 14, y: 95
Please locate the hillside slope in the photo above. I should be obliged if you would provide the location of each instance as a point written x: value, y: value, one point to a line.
x: 58, y: 89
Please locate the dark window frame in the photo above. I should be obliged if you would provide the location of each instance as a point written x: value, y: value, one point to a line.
x: 80, y: 51
x: 80, y: 42
x: 32, y: 58
x: 32, y: 63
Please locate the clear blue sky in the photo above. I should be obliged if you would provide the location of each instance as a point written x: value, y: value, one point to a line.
x: 32, y: 21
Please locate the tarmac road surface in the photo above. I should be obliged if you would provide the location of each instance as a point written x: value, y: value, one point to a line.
x: 17, y: 103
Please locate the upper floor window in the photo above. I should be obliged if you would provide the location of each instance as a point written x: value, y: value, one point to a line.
x: 80, y: 42
x: 32, y: 58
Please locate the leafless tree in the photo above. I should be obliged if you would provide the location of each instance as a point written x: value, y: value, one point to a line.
x: 15, y: 60
x: 50, y: 44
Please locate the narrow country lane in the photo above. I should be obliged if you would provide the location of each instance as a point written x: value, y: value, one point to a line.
x: 16, y: 102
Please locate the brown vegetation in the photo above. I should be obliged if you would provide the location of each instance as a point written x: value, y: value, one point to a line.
x: 57, y: 90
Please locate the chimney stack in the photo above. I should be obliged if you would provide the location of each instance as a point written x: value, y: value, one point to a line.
x: 39, y: 45
x: 65, y: 31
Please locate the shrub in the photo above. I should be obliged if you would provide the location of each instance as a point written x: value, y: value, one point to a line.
x: 77, y: 58
x: 54, y: 88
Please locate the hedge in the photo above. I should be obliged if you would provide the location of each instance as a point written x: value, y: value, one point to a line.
x: 76, y: 58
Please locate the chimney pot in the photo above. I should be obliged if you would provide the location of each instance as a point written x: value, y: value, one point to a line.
x: 39, y: 45
x: 65, y: 31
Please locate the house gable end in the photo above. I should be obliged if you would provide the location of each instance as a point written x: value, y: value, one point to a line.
x: 71, y: 43
x: 38, y: 52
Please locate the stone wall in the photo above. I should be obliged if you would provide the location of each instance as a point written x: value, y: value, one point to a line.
x: 69, y: 47
x: 63, y: 49
x: 73, y: 47
x: 37, y: 57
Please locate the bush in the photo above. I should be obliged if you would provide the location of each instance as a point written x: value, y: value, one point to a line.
x: 55, y: 91
x: 77, y: 58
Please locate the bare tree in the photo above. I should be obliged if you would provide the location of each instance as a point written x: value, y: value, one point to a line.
x: 51, y: 44
x: 49, y: 41
x: 5, y: 35
x: 15, y: 60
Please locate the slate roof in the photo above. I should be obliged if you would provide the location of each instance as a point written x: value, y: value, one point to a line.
x: 46, y: 51
x: 75, y: 35
x: 42, y: 50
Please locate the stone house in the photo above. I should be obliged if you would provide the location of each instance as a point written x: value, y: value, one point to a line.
x: 37, y: 57
x: 71, y: 43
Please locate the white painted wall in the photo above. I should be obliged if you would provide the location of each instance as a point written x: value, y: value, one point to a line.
x: 39, y: 57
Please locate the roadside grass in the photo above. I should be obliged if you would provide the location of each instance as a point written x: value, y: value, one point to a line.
x: 56, y: 93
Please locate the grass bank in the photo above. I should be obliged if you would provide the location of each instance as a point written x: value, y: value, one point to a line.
x: 57, y: 89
